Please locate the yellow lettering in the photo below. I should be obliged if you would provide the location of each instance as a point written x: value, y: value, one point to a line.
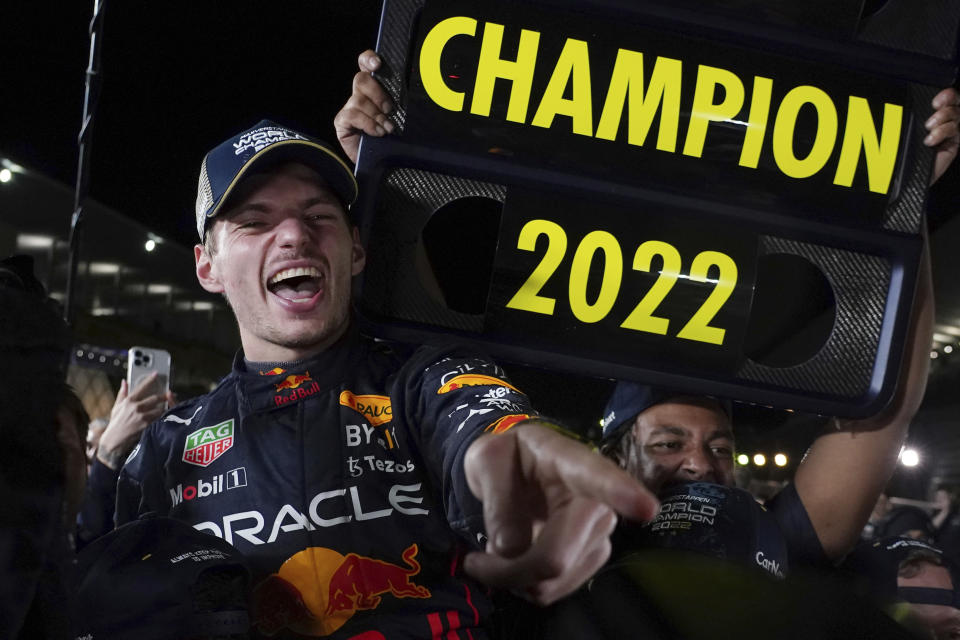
x: 860, y: 132
x: 430, y: 74
x: 664, y: 89
x: 519, y: 72
x: 528, y: 297
x: 705, y: 111
x: 573, y: 66
x: 756, y: 122
x: 609, y: 284
x: 786, y: 122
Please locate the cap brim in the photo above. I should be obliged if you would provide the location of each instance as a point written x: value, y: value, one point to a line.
x: 330, y: 167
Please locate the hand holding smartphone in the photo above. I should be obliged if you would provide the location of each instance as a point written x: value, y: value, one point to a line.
x: 135, y: 407
x: 141, y: 362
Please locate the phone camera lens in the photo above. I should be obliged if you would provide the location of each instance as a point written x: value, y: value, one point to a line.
x: 136, y: 361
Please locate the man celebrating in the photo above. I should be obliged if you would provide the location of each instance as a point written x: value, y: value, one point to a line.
x: 664, y: 437
x: 356, y: 481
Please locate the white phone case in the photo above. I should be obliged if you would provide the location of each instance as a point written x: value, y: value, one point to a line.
x: 142, y: 361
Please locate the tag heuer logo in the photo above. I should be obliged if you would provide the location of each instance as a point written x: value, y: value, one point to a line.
x: 205, y: 445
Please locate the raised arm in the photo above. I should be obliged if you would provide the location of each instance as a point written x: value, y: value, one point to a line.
x: 366, y: 109
x: 848, y: 466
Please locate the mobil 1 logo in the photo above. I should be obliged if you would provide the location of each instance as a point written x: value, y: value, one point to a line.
x: 233, y: 479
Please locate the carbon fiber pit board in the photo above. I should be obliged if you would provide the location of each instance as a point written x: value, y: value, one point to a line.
x: 707, y: 196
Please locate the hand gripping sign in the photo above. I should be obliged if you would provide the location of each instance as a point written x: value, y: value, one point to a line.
x: 723, y: 197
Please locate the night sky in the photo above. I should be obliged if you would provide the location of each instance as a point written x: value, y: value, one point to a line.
x: 178, y: 77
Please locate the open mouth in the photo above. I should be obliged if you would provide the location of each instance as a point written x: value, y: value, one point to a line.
x: 300, y: 284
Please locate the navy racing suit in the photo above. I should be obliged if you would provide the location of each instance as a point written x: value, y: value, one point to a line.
x: 341, y: 479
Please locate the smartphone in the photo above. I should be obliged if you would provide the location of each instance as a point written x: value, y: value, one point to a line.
x: 142, y: 361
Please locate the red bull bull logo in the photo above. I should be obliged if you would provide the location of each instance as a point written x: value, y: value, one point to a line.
x: 272, y: 372
x: 316, y: 591
x: 297, y: 386
x: 359, y: 582
x: 473, y: 380
x: 293, y: 381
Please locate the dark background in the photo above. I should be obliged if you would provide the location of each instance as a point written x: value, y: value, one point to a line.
x: 177, y: 78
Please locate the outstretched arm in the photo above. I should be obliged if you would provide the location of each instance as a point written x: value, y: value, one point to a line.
x: 549, y: 506
x: 848, y: 466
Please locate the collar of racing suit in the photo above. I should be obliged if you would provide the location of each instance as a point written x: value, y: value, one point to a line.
x: 266, y: 390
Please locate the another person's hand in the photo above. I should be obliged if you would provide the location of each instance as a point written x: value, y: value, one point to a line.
x: 944, y: 134
x: 549, y: 506
x: 94, y: 431
x: 131, y: 414
x: 367, y: 109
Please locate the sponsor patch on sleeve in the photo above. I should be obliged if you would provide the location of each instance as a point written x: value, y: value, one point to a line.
x: 505, y: 423
x: 472, y: 380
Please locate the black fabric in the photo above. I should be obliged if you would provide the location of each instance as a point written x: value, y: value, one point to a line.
x: 99, y: 502
x: 342, y: 484
x: 928, y: 595
x: 160, y: 579
x: 631, y: 398
x: 874, y: 566
x: 714, y: 520
x: 903, y: 519
x: 803, y: 545
x: 48, y: 614
x: 33, y: 351
x: 947, y: 537
x: 658, y: 594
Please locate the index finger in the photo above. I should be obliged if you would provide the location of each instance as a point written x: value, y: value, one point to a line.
x: 509, y: 505
x: 589, y: 474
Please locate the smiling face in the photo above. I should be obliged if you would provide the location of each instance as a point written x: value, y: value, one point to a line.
x: 283, y: 254
x: 681, y: 440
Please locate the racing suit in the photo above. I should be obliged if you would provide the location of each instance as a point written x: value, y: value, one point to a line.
x: 341, y: 479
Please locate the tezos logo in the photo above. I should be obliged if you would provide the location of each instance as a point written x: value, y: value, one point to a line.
x: 206, y: 444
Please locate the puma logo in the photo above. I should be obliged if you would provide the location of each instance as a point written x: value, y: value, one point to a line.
x: 186, y: 421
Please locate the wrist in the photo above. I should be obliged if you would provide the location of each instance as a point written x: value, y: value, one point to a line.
x: 110, y: 457
x: 559, y: 428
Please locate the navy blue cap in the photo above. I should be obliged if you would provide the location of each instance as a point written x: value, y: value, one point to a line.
x: 266, y: 143
x: 878, y: 561
x: 158, y: 578
x: 715, y: 520
x: 631, y: 398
